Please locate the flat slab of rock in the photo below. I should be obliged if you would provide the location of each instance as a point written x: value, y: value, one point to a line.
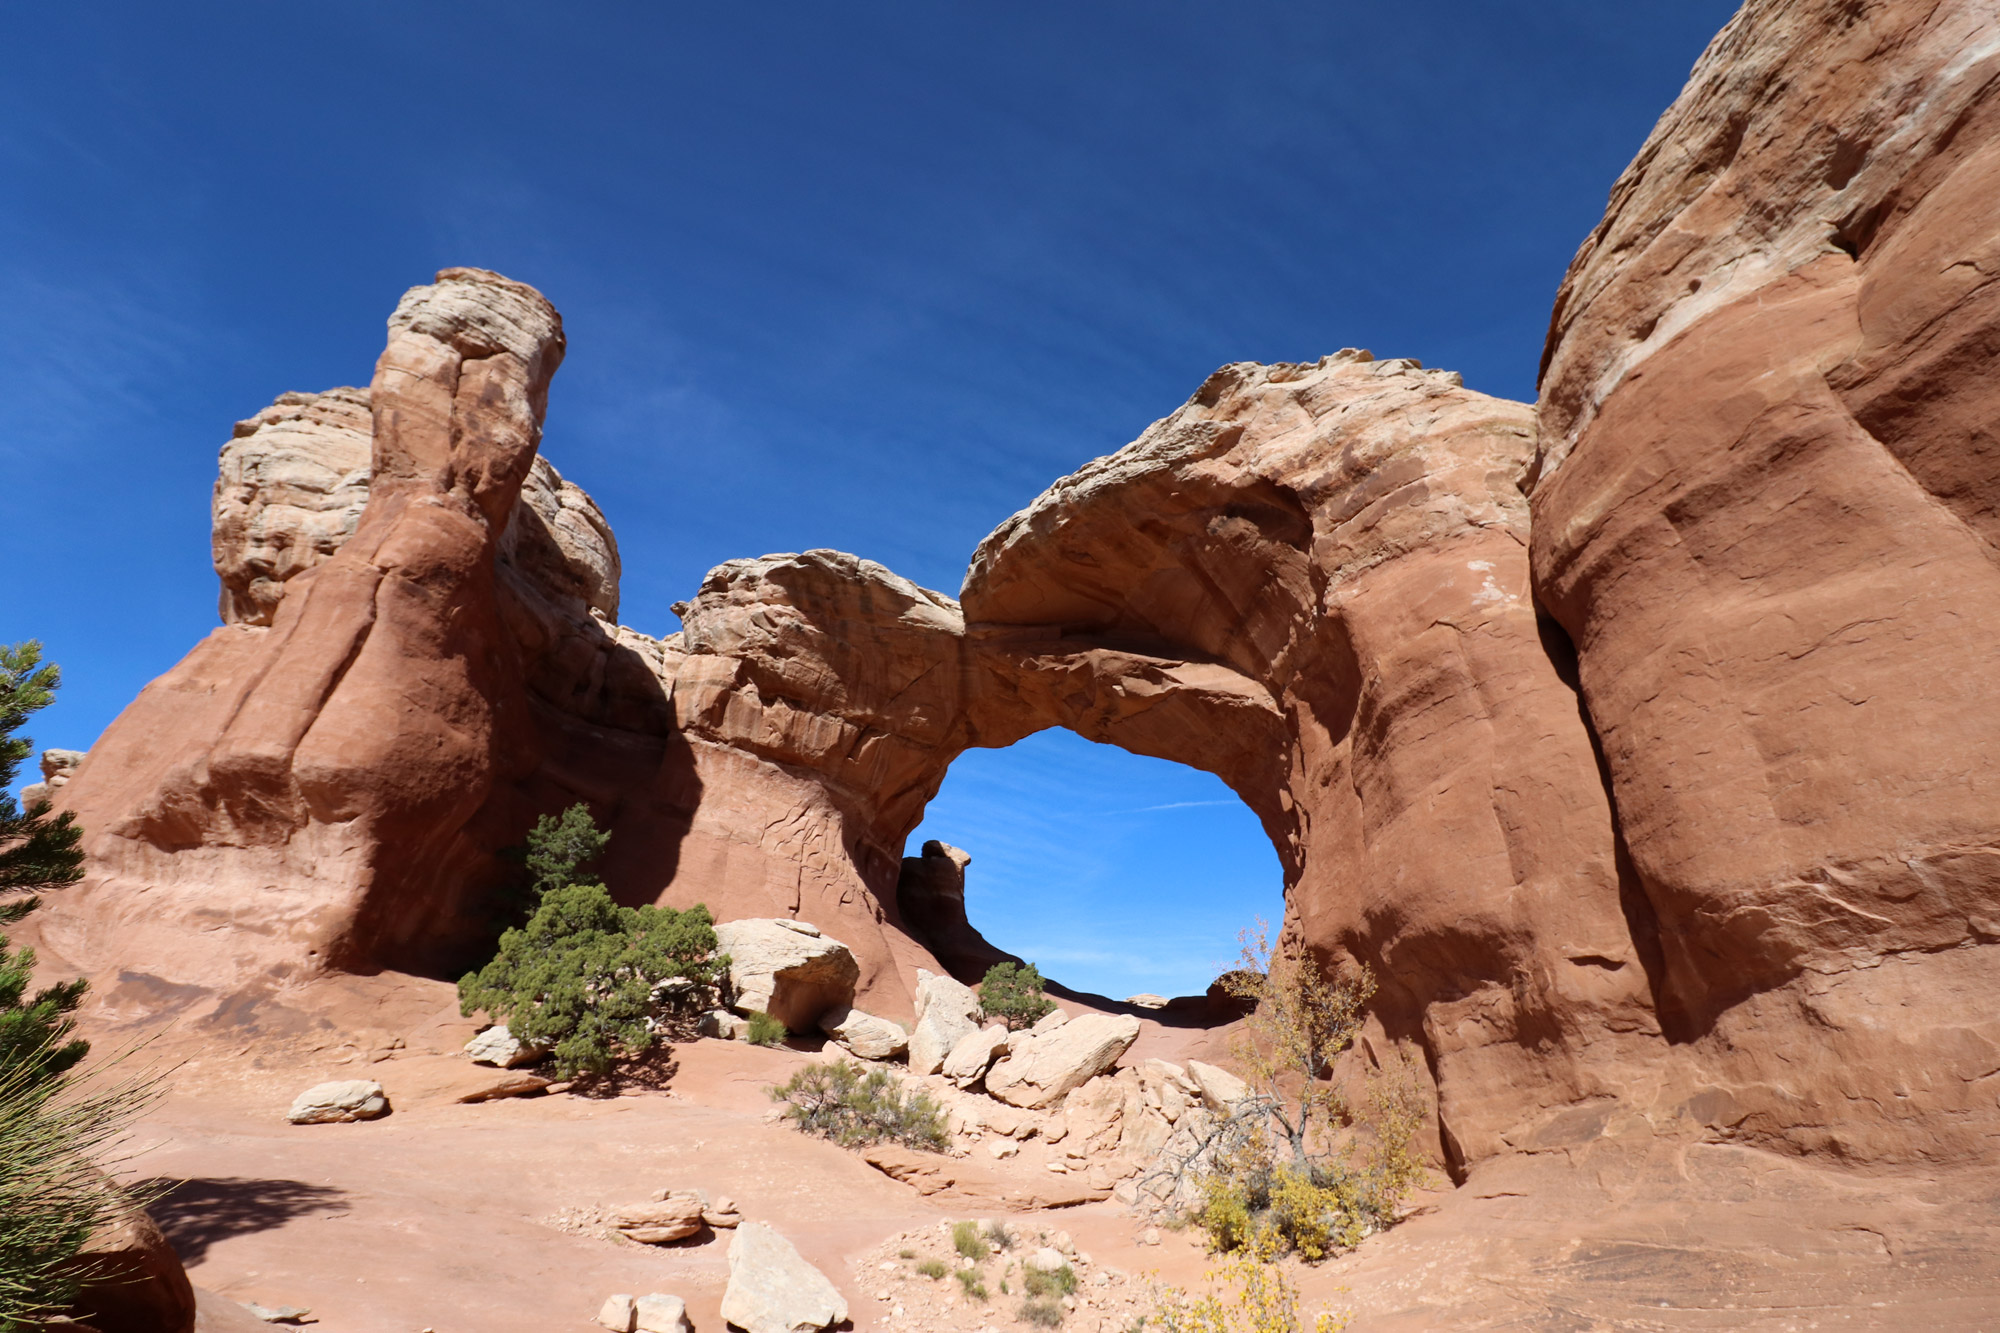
x: 787, y: 969
x: 1044, y: 1067
x: 1220, y: 1089
x: 337, y: 1102
x: 661, y: 1221
x: 772, y: 1289
x: 864, y: 1034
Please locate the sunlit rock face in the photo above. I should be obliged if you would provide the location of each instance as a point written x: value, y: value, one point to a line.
x: 1766, y: 514
x: 1637, y: 742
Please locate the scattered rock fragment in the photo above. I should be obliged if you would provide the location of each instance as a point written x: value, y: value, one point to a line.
x: 721, y: 1023
x: 620, y: 1313
x: 864, y: 1034
x: 967, y: 1061
x: 772, y: 1289
x: 497, y: 1046
x: 661, y: 1221
x: 662, y: 1314
x: 340, y: 1101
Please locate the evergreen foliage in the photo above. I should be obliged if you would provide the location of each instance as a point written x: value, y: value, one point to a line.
x: 1013, y: 995
x: 765, y: 1030
x: 837, y: 1101
x: 582, y: 976
x: 53, y: 1196
x: 38, y: 852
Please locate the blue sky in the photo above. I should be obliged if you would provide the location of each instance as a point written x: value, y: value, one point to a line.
x: 864, y: 276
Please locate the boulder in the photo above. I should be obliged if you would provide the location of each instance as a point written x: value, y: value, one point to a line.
x: 945, y: 1010
x: 661, y: 1221
x: 133, y: 1281
x: 723, y: 1024
x: 1220, y: 1090
x: 772, y: 1289
x: 787, y: 969
x: 662, y: 1314
x: 1050, y: 1021
x: 497, y: 1046
x: 865, y: 1035
x: 722, y: 1214
x: 342, y: 1100
x: 1043, y: 1069
x: 967, y: 1062
x: 619, y: 1313
x: 1147, y: 1000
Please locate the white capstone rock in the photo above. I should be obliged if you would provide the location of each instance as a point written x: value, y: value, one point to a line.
x: 1146, y: 1000
x: 333, y: 1103
x: 787, y: 969
x: 773, y: 1290
x: 864, y: 1034
x: 945, y: 1010
x: 1042, y: 1070
x: 663, y: 1314
x: 497, y: 1046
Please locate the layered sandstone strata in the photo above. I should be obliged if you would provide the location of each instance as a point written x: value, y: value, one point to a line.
x: 1766, y: 516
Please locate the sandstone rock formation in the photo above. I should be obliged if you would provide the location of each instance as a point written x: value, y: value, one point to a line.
x: 865, y: 1035
x: 57, y: 767
x: 1656, y: 791
x: 133, y: 1282
x: 773, y: 1290
x: 497, y: 1046
x: 1041, y: 1069
x: 338, y: 1102
x: 787, y: 969
x: 1765, y: 512
x: 659, y: 1221
x: 945, y: 1013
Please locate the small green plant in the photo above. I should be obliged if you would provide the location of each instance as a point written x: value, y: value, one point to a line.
x: 581, y: 977
x: 1042, y: 1312
x: 837, y: 1101
x: 999, y: 1237
x: 966, y: 1240
x: 765, y: 1030
x: 933, y: 1269
x: 973, y: 1282
x: 906, y: 1254
x: 1049, y: 1281
x: 1003, y: 1287
x: 1013, y: 995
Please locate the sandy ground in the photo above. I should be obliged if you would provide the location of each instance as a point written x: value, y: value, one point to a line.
x: 483, y: 1218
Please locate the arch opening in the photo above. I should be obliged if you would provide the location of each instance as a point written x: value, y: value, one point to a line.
x: 1115, y: 873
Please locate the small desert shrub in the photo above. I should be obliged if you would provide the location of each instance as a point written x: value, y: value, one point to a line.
x: 838, y: 1101
x: 765, y: 1030
x: 1049, y: 1282
x: 1261, y: 1299
x: 1013, y: 995
x: 974, y: 1284
x: 999, y: 1236
x: 966, y: 1240
x: 906, y: 1254
x: 1296, y: 1166
x: 1042, y: 1312
x: 933, y: 1269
